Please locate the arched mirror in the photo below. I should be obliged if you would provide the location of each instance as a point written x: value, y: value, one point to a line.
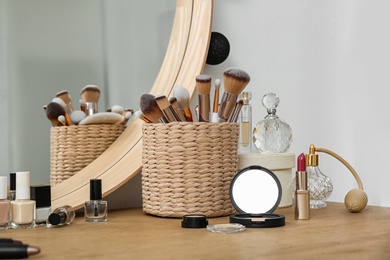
x: 185, y: 58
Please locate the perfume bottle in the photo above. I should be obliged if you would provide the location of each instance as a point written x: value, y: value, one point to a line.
x: 245, y: 123
x: 272, y: 134
x: 4, y: 204
x: 42, y: 196
x: 95, y: 210
x: 22, y: 208
x: 61, y: 216
x: 320, y: 185
x: 12, y: 186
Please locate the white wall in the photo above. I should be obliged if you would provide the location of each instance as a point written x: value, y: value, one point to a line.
x: 328, y: 61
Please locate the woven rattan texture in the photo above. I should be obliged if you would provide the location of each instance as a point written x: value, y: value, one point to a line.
x: 188, y: 168
x: 74, y: 147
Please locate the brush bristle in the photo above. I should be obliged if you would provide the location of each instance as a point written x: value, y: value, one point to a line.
x: 203, y: 84
x: 162, y: 102
x: 90, y: 93
x: 174, y: 102
x: 183, y: 96
x: 235, y: 80
x: 53, y: 111
x: 149, y: 107
x: 64, y: 95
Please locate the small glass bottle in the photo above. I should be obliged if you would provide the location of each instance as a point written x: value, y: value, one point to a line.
x: 95, y: 210
x: 61, y: 216
x: 42, y: 196
x: 272, y: 134
x: 12, y: 186
x: 22, y: 208
x: 245, y: 124
x: 320, y: 185
x: 4, y: 204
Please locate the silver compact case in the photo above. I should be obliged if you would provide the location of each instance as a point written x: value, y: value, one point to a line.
x: 255, y: 193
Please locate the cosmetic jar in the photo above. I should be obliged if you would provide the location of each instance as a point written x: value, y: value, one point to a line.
x: 255, y: 193
x: 194, y: 221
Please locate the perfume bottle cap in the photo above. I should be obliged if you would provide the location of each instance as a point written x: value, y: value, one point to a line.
x: 23, y: 185
x: 312, y: 157
x: 95, y: 189
x: 41, y: 195
x: 3, y: 187
x: 12, y: 181
x: 246, y: 96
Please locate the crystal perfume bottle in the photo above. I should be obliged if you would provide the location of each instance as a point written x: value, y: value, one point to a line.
x: 245, y: 123
x: 320, y: 185
x: 95, y: 210
x: 272, y: 134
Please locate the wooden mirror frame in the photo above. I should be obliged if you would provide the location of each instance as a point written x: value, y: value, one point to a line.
x: 185, y: 58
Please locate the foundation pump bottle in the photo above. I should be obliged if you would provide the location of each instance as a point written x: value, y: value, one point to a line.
x: 4, y: 204
x: 95, y: 210
x: 22, y: 208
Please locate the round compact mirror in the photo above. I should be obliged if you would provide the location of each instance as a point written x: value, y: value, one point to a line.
x: 255, y: 190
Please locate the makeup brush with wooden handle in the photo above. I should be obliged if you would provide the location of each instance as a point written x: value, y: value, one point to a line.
x: 183, y: 97
x: 64, y: 95
x: 166, y: 108
x: 151, y: 110
x: 177, y: 108
x: 235, y: 80
x: 236, y: 111
x: 53, y: 111
x: 65, y: 107
x: 91, y: 94
x: 214, y: 114
x: 203, y: 86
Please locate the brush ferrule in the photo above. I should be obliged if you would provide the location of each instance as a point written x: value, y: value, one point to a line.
x: 204, y: 108
x: 228, y: 102
x: 91, y: 108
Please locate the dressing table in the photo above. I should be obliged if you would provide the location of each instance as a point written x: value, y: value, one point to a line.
x: 333, y: 232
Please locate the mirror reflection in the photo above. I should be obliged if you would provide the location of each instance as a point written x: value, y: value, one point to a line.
x: 255, y: 190
x: 53, y: 45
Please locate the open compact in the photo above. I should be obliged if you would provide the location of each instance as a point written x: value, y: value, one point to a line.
x: 255, y: 193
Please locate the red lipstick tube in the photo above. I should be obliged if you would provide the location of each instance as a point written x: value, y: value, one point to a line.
x: 302, y: 194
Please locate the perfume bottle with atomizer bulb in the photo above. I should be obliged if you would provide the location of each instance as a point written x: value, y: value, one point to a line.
x: 245, y: 143
x: 272, y: 134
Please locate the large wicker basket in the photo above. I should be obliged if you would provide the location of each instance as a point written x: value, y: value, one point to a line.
x: 74, y: 147
x: 188, y: 167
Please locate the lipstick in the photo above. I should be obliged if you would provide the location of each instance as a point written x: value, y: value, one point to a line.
x: 302, y: 194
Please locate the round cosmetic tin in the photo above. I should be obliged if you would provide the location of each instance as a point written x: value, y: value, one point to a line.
x: 194, y: 221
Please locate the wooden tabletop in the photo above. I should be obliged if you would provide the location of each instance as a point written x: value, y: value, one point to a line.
x: 331, y: 233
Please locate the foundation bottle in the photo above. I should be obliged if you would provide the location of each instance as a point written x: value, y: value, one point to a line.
x: 4, y: 204
x: 22, y: 208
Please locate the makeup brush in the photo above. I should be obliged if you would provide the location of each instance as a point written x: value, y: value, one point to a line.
x: 141, y: 116
x: 214, y: 115
x: 126, y: 118
x: 62, y: 120
x: 76, y: 116
x: 83, y: 105
x: 166, y: 108
x: 64, y: 95
x: 117, y: 109
x: 236, y: 111
x: 176, y: 107
x: 91, y: 94
x: 183, y: 97
x: 203, y: 86
x: 53, y: 111
x: 150, y: 109
x: 235, y: 80
x: 65, y: 107
x: 102, y: 118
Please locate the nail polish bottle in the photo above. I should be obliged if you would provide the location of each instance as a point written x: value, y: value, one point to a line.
x: 61, y: 216
x: 22, y: 208
x: 95, y: 210
x: 4, y: 204
x: 41, y: 195
x: 12, y: 186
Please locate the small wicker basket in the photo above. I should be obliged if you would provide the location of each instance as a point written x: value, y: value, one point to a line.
x: 74, y: 147
x: 188, y: 167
